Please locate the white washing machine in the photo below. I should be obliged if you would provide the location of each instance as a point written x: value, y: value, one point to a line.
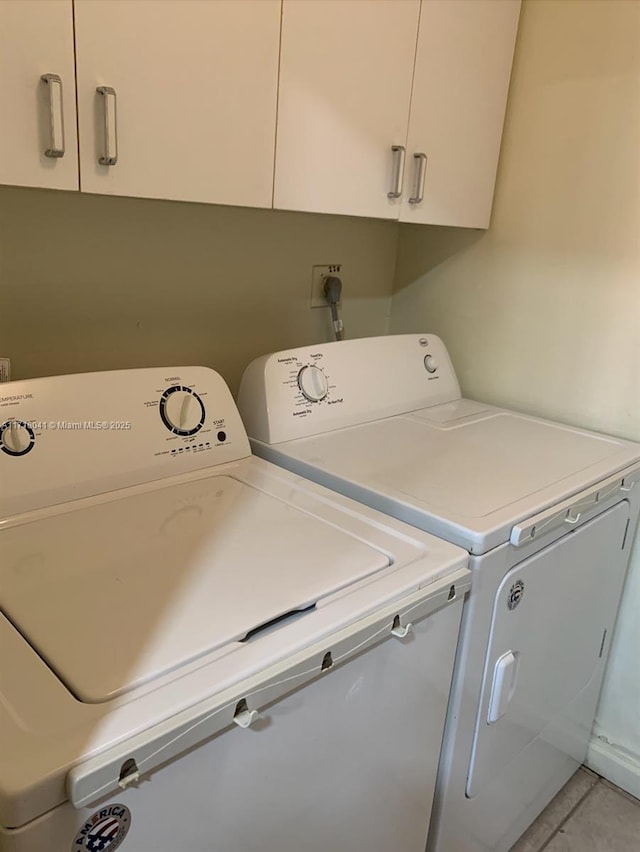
x: 547, y: 513
x: 199, y: 650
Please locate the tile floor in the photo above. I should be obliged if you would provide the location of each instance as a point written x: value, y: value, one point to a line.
x: 588, y: 815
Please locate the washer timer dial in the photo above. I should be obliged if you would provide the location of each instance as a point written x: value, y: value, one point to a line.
x: 182, y: 410
x: 313, y: 383
x: 16, y: 438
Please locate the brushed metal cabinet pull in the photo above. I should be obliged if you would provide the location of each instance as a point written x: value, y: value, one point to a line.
x: 55, y: 150
x: 109, y: 157
x: 398, y: 152
x: 421, y: 172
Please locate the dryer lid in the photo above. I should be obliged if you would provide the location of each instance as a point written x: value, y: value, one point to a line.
x: 117, y: 594
x: 489, y: 463
x: 466, y: 473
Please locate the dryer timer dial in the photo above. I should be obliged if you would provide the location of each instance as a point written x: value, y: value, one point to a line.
x: 313, y: 383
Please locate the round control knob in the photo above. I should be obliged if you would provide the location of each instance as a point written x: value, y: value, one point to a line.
x: 16, y: 438
x: 313, y: 383
x: 431, y: 365
x: 181, y: 410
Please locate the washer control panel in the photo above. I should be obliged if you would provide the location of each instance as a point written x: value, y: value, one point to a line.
x: 67, y: 437
x: 315, y: 389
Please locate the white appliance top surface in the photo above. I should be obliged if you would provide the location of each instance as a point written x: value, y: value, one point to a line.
x: 140, y: 544
x: 468, y: 470
x: 123, y: 611
x: 457, y: 467
x: 117, y: 594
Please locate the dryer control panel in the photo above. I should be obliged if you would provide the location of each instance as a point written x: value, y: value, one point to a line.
x: 67, y: 437
x: 314, y: 389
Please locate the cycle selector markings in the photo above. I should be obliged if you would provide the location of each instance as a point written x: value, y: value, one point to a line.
x: 182, y: 410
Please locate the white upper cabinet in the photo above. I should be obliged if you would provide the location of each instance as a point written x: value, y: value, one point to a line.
x: 345, y: 84
x: 461, y: 81
x: 38, y: 143
x: 187, y: 102
x: 385, y: 108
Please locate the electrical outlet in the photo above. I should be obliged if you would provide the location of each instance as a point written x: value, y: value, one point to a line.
x: 5, y: 370
x: 318, y: 274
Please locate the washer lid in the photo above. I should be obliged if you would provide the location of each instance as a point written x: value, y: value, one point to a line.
x: 116, y: 594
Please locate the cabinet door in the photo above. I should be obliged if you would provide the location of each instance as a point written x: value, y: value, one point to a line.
x: 195, y: 83
x: 36, y: 39
x: 345, y: 86
x: 463, y: 65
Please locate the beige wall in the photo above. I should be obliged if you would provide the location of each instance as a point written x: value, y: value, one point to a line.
x: 93, y: 283
x: 542, y: 312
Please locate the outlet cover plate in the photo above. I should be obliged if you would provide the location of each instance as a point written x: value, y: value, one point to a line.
x: 318, y: 274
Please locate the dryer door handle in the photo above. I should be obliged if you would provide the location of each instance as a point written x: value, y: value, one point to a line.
x: 505, y: 675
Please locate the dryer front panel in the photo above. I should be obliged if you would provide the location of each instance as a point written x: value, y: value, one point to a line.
x: 552, y: 620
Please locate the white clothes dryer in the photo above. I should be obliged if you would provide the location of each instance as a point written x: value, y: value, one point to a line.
x: 199, y: 650
x: 546, y: 511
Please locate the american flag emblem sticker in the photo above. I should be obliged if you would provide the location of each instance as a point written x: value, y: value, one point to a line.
x: 104, y: 831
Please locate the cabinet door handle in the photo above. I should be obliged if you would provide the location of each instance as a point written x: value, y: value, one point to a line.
x: 398, y: 152
x: 421, y: 172
x: 110, y: 142
x: 56, y: 117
